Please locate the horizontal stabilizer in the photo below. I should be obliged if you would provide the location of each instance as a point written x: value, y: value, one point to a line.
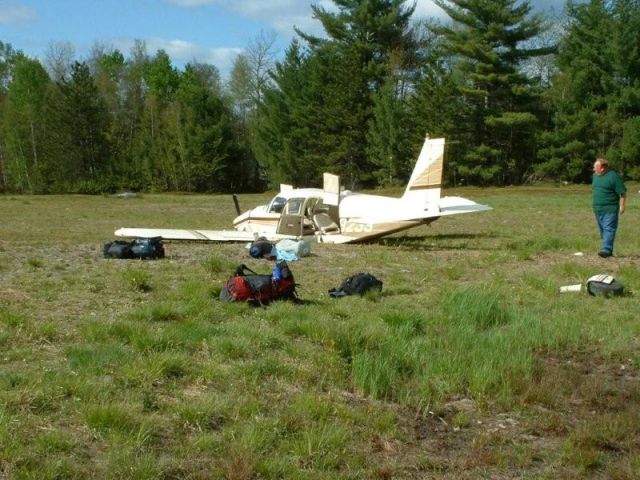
x: 457, y: 205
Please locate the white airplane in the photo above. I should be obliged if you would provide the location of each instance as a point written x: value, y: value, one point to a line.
x: 333, y: 215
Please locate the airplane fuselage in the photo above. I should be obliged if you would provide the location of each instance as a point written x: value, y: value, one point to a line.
x: 360, y: 217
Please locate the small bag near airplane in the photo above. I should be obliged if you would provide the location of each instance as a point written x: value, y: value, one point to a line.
x: 357, y: 284
x: 604, y: 285
x: 141, y: 248
x: 248, y: 286
x: 261, y: 248
x: 292, y: 250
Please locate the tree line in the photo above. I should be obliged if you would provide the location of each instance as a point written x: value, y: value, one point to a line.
x: 519, y: 96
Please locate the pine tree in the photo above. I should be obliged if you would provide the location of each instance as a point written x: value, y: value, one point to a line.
x: 389, y: 135
x: 327, y: 91
x: 488, y: 43
x: 136, y: 155
x: 205, y: 147
x: 285, y: 131
x: 436, y: 108
x: 596, y: 93
x: 77, y: 148
x: 109, y: 70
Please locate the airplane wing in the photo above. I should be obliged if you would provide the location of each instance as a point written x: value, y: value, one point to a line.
x: 177, y: 234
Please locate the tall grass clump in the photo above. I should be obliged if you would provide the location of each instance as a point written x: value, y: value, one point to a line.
x: 35, y: 262
x: 110, y: 418
x: 13, y: 320
x: 121, y: 423
x: 158, y: 312
x: 478, y: 308
x: 217, y: 264
x: 139, y: 280
x: 387, y: 359
x: 96, y: 358
x: 197, y: 294
x: 384, y: 373
x: 416, y: 358
x: 208, y: 413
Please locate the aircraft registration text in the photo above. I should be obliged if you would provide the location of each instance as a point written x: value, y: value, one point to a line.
x: 348, y: 226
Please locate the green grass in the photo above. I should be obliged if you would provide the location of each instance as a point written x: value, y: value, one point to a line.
x: 469, y: 364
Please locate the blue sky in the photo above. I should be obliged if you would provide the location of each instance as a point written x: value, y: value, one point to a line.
x: 211, y: 31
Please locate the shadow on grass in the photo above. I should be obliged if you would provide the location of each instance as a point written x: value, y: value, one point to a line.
x: 293, y: 301
x: 436, y: 242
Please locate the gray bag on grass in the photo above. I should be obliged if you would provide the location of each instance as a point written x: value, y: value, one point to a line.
x: 604, y: 285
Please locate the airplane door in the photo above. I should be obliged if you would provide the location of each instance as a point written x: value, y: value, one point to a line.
x: 331, y: 189
x: 292, y: 218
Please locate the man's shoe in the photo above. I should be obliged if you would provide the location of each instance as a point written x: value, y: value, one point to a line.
x: 604, y: 254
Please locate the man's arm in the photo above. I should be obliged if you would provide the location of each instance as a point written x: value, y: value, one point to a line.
x: 623, y: 202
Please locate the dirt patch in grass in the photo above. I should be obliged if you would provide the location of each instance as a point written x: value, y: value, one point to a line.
x: 579, y: 419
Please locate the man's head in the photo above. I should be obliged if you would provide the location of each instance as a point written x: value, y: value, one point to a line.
x: 600, y: 166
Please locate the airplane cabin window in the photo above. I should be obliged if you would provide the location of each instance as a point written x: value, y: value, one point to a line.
x: 277, y: 204
x: 293, y: 207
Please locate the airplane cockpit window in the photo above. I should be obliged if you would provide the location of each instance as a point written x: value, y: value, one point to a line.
x: 277, y: 204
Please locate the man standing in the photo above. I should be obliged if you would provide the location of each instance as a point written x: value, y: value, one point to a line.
x: 609, y: 199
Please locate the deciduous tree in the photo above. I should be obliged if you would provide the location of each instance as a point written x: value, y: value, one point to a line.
x: 22, y: 125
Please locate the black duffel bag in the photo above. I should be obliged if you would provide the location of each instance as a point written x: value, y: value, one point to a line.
x: 142, y: 248
x: 358, y: 284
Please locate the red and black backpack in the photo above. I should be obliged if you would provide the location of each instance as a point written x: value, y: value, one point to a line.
x: 259, y: 289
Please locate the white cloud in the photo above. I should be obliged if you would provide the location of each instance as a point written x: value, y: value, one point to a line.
x: 177, y: 49
x: 280, y: 15
x: 283, y: 15
x: 221, y: 57
x: 11, y: 13
x: 183, y: 52
x: 428, y: 8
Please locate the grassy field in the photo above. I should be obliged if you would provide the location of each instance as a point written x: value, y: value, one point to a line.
x: 469, y: 365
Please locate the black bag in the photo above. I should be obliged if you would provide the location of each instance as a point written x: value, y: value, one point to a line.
x: 261, y: 247
x: 357, y: 284
x: 143, y: 248
x: 117, y: 249
x: 604, y: 285
x: 147, y: 248
x: 258, y: 289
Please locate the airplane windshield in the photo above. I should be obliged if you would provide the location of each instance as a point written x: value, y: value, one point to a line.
x: 277, y: 204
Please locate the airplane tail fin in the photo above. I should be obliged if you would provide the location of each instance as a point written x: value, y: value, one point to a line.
x: 426, y: 179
